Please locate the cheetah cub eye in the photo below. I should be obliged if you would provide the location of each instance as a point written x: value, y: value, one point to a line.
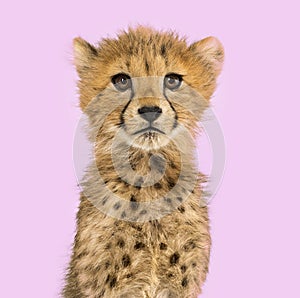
x: 172, y: 81
x: 121, y: 81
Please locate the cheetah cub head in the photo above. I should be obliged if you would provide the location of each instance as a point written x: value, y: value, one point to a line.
x: 145, y: 86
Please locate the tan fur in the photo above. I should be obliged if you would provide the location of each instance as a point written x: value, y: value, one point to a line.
x: 132, y: 254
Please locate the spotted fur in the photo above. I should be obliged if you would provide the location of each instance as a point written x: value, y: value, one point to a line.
x: 125, y: 255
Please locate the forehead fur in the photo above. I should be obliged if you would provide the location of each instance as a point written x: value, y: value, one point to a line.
x: 144, y: 40
x: 145, y: 52
x: 148, y: 46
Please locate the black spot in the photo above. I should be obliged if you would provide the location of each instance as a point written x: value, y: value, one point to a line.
x: 147, y: 66
x: 104, y: 201
x: 129, y: 275
x: 189, y: 245
x: 192, y: 191
x: 157, y: 162
x: 117, y: 267
x: 163, y: 246
x: 155, y: 223
x: 139, y: 245
x: 194, y: 264
x: 184, y: 282
x: 170, y: 275
x: 107, y: 264
x: 183, y: 269
x: 181, y: 209
x: 139, y: 182
x: 88, y: 268
x: 157, y: 185
x: 172, y: 165
x: 137, y: 227
x: 108, y: 246
x: 219, y: 53
x: 179, y: 199
x: 82, y: 254
x: 168, y: 200
x: 107, y: 278
x: 94, y: 285
x: 121, y: 243
x: 174, y: 258
x: 133, y: 203
x: 117, y: 206
x: 126, y: 260
x: 143, y: 212
x: 163, y: 50
x: 171, y: 183
x: 113, y: 282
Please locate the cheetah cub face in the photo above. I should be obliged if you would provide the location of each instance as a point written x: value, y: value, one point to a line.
x: 149, y: 120
x: 146, y: 86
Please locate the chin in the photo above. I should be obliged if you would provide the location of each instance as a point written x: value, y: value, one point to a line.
x: 150, y: 141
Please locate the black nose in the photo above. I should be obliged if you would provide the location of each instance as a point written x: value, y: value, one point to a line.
x: 150, y: 113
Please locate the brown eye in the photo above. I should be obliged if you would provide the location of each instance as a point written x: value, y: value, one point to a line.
x: 173, y: 81
x: 121, y: 81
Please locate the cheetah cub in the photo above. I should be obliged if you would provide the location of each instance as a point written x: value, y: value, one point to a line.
x: 142, y: 224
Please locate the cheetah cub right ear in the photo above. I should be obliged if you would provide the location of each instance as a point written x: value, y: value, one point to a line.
x: 84, y: 55
x: 211, y: 52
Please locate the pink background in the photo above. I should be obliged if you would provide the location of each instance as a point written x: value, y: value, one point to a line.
x: 254, y: 216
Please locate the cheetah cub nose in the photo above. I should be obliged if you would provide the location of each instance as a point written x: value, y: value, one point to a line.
x: 150, y: 113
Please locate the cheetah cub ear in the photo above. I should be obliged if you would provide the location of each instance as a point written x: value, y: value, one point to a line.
x: 211, y: 52
x: 84, y: 55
